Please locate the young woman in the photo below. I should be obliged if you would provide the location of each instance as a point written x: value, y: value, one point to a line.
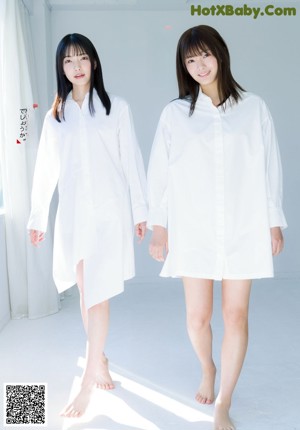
x: 215, y: 202
x: 88, y: 147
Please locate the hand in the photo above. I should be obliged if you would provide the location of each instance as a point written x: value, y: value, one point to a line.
x: 140, y: 230
x: 158, y: 247
x: 277, y: 240
x: 36, y: 237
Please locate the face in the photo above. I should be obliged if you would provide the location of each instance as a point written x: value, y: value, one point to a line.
x: 77, y: 69
x: 203, y: 68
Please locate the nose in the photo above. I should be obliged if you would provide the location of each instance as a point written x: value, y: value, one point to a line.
x: 76, y: 65
x: 200, y: 63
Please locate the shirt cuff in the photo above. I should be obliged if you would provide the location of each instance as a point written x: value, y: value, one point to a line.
x: 277, y: 218
x: 157, y: 217
x: 38, y: 221
x: 140, y: 214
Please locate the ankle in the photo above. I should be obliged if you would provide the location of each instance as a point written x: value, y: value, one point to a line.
x: 209, y: 367
x: 223, y: 401
x: 104, y: 359
x: 88, y: 379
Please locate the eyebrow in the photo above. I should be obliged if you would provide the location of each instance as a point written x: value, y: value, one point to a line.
x: 198, y: 53
x: 76, y: 55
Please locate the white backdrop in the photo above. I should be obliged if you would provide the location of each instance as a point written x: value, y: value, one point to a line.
x: 137, y: 51
x: 28, y: 276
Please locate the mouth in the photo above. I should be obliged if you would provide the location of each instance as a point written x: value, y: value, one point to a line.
x: 203, y: 75
x: 81, y: 75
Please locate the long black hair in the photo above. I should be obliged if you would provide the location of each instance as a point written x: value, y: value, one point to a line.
x: 78, y: 44
x: 192, y: 42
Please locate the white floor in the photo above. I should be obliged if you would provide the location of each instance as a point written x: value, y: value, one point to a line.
x: 153, y: 364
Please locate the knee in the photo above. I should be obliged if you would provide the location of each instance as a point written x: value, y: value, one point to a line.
x: 198, y: 321
x: 235, y: 317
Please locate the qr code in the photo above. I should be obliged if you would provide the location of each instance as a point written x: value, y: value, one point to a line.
x: 25, y: 404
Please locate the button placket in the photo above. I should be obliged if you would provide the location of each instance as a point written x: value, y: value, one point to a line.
x: 219, y: 184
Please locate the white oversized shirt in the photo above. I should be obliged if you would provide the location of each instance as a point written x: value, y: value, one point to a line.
x: 97, y: 164
x: 215, y: 181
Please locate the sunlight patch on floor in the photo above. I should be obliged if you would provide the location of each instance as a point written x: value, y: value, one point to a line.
x: 162, y: 400
x: 108, y: 407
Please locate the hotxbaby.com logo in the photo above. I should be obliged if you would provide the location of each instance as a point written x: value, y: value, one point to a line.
x: 243, y: 10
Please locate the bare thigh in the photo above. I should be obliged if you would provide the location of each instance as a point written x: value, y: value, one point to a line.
x: 198, y: 297
x: 236, y: 297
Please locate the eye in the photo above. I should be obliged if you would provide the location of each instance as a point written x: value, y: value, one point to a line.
x: 205, y: 54
x: 189, y: 60
x: 67, y: 60
x: 85, y: 57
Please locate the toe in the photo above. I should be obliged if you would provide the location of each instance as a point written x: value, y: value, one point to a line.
x: 200, y: 398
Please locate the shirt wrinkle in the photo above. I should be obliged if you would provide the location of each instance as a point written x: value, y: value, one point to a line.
x: 97, y: 202
x: 220, y: 185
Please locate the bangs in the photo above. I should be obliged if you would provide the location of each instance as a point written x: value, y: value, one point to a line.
x: 193, y: 47
x: 74, y: 49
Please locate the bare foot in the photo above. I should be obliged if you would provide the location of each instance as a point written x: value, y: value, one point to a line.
x: 206, y: 392
x: 103, y: 378
x: 77, y: 407
x: 222, y: 420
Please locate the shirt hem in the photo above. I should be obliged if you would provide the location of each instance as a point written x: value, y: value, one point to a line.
x: 219, y: 277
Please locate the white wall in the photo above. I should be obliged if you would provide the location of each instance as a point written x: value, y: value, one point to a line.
x: 4, y: 301
x: 41, y: 38
x: 137, y: 51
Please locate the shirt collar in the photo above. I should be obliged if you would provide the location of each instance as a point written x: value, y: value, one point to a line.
x: 70, y: 95
x: 206, y: 99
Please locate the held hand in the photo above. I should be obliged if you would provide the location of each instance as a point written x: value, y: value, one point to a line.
x: 36, y: 237
x: 277, y: 240
x: 159, y: 243
x: 140, y: 230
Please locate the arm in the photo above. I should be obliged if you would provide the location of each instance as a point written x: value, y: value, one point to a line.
x: 133, y: 167
x: 157, y: 191
x: 44, y: 182
x: 273, y: 174
x: 274, y: 185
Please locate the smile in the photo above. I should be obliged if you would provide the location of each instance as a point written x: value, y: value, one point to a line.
x: 203, y: 75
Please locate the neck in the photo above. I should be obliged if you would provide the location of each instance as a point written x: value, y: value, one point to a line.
x: 212, y: 92
x: 79, y: 93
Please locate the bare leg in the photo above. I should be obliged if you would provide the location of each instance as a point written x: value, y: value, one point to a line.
x: 199, y: 305
x: 103, y: 376
x: 235, y: 298
x: 79, y: 276
x: 96, y: 368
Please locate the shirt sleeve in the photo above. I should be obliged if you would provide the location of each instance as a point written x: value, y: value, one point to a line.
x: 45, y: 178
x: 273, y: 174
x: 133, y: 166
x: 158, y: 176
